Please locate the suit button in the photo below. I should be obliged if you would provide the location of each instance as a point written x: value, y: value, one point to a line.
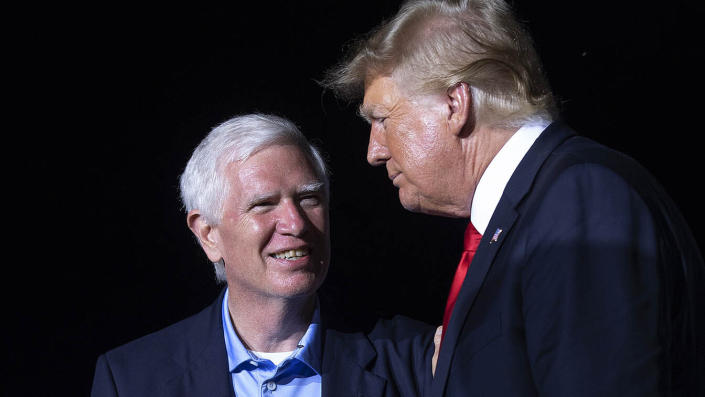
x: 271, y: 385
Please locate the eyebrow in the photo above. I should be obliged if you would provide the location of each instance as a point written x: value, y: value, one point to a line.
x: 314, y: 187
x: 365, y: 112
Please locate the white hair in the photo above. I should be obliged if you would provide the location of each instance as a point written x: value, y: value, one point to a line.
x: 203, y: 183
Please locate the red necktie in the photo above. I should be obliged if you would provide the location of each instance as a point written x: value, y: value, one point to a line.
x: 470, y: 244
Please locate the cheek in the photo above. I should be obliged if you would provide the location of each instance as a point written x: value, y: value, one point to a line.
x: 419, y: 149
x: 246, y: 235
x: 319, y: 219
x: 255, y: 227
x: 431, y: 135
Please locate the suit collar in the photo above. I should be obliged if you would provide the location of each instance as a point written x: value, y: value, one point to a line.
x: 498, y: 228
x: 497, y: 174
x: 523, y: 178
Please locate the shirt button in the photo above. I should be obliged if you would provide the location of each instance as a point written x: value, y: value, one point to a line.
x: 271, y: 385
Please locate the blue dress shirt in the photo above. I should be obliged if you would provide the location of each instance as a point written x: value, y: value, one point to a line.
x: 298, y: 375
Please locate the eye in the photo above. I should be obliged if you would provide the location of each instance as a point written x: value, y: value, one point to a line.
x: 380, y: 120
x: 262, y: 206
x: 310, y: 200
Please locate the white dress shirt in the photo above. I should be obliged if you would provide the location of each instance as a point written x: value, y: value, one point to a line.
x: 493, y: 181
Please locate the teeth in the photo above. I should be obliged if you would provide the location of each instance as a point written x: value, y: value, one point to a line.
x: 291, y: 254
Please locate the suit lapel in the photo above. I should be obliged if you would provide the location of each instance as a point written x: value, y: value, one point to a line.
x: 498, y: 229
x: 345, y: 359
x: 204, y: 361
x: 480, y: 265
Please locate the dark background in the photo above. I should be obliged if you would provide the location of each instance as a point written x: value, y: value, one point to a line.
x: 108, y: 103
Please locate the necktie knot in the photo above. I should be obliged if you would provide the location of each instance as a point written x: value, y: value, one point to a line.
x: 472, y: 238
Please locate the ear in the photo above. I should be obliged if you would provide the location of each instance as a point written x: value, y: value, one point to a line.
x: 206, y: 234
x: 460, y: 115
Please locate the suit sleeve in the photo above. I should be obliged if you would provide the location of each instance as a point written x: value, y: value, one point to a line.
x: 404, y: 351
x: 103, y: 381
x: 591, y: 289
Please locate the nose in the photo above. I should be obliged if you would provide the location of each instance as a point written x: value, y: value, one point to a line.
x: 292, y: 221
x: 377, y: 151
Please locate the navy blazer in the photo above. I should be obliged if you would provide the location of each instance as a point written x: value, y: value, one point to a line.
x: 587, y: 282
x: 189, y: 358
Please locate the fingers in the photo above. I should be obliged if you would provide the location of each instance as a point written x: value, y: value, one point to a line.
x: 437, y: 348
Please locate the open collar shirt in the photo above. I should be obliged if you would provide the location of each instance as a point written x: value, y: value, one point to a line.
x: 298, y: 375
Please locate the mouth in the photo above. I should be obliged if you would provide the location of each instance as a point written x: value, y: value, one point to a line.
x: 393, y: 178
x: 292, y: 254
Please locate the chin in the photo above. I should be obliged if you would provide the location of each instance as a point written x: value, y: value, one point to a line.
x: 414, y: 205
x: 410, y: 203
x: 417, y: 205
x: 298, y: 286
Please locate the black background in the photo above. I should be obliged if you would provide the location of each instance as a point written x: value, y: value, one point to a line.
x: 108, y: 102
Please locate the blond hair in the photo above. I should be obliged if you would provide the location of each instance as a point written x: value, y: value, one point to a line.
x: 430, y: 46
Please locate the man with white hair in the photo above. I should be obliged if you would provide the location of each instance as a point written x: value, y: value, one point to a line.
x: 256, y: 195
x: 579, y: 276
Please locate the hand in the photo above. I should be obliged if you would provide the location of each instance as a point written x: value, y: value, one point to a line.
x: 437, y: 346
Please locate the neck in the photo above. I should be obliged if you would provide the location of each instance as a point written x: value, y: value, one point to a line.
x: 270, y: 325
x: 480, y: 148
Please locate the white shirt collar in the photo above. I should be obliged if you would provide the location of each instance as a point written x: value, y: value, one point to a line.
x: 493, y: 181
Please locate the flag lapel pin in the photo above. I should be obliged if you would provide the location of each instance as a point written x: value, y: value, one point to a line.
x: 496, y: 234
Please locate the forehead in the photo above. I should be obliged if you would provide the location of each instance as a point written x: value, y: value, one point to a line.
x: 272, y: 167
x: 381, y: 93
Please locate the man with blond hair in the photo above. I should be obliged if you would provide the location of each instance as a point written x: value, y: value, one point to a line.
x: 579, y: 276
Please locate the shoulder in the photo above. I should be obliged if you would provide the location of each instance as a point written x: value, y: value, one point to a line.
x: 581, y: 172
x: 382, y: 341
x: 594, y: 196
x: 401, y: 330
x: 561, y: 165
x: 154, y: 359
x: 165, y: 343
x: 356, y: 323
x: 581, y: 151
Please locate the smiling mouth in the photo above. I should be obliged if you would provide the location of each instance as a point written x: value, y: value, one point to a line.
x: 291, y: 254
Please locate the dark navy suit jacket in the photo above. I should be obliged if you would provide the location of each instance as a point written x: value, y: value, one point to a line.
x: 189, y: 358
x: 587, y: 282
